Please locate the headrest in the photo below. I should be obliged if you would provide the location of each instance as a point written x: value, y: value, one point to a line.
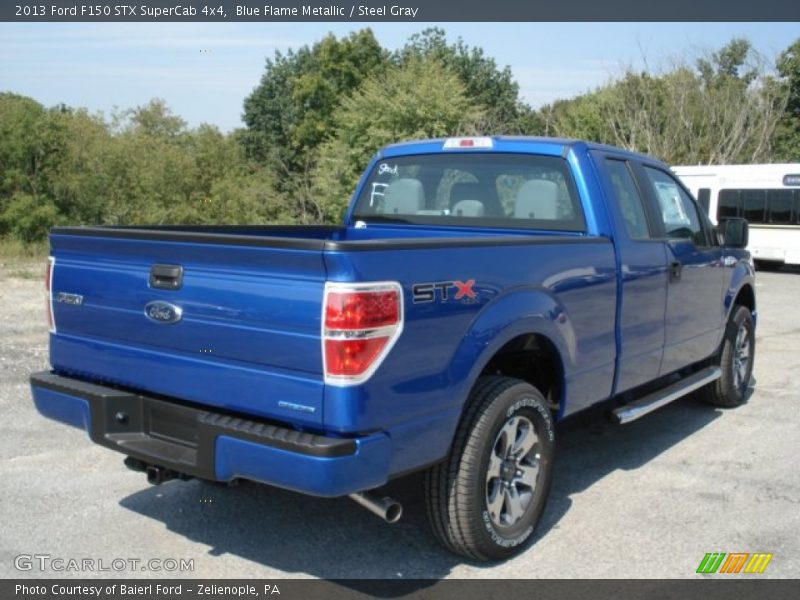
x: 404, y: 196
x: 537, y: 199
x: 467, y: 208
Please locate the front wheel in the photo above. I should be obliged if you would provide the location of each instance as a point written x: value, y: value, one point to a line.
x: 736, y: 361
x: 485, y: 499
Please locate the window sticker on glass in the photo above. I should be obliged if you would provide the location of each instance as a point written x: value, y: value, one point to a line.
x: 386, y: 169
x: 378, y: 193
x: 671, y: 206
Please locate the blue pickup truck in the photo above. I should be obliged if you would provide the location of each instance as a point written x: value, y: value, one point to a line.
x: 479, y: 290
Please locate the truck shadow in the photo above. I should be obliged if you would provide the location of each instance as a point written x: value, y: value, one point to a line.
x: 337, y: 539
x: 590, y: 447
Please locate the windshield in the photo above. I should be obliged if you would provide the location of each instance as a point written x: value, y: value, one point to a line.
x: 480, y: 189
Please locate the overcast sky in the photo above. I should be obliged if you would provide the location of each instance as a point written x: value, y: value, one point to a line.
x: 205, y: 70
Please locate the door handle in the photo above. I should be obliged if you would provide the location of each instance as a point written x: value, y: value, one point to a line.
x: 675, y: 268
x: 166, y: 277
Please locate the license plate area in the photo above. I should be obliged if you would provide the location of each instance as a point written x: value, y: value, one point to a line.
x: 150, y: 429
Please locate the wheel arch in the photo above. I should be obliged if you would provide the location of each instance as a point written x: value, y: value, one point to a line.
x: 531, y: 357
x: 529, y: 327
x: 746, y: 297
x: 741, y: 289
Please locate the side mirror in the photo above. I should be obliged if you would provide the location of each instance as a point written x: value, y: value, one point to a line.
x: 735, y: 232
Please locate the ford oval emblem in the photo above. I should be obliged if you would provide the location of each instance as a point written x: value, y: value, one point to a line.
x: 163, y: 312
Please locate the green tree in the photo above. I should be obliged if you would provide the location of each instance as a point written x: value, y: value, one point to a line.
x: 20, y: 151
x: 76, y: 168
x: 145, y: 166
x: 787, y: 137
x: 153, y: 119
x: 421, y: 99
x: 486, y: 84
x: 580, y: 117
x: 28, y: 218
x: 290, y: 113
x: 51, y: 166
x: 729, y: 63
x: 246, y: 198
x: 718, y: 108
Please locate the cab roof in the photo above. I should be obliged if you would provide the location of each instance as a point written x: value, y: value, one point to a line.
x: 502, y: 143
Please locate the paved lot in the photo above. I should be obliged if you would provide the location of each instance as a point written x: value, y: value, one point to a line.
x: 646, y: 500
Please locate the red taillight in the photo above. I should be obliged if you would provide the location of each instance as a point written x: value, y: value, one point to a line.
x: 48, y: 286
x: 350, y: 358
x: 361, y: 310
x: 361, y: 323
x: 467, y: 143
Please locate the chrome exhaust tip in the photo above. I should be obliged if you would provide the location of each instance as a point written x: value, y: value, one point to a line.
x: 386, y: 508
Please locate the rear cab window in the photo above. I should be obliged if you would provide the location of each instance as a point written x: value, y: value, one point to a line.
x: 504, y: 190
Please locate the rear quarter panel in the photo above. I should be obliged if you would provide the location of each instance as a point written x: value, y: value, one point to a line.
x: 417, y: 394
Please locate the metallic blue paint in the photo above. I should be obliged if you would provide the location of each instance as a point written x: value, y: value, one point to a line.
x: 740, y: 274
x: 62, y: 407
x: 694, y: 318
x: 367, y: 468
x: 223, y: 384
x: 249, y: 340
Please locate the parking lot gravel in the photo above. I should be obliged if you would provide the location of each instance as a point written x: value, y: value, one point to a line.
x: 644, y: 500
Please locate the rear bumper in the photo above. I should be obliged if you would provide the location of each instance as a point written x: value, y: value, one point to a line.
x: 212, y: 445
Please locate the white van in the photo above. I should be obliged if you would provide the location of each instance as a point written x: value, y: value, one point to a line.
x: 768, y: 196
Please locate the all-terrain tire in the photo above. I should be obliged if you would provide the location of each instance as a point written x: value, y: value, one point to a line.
x: 461, y: 491
x: 736, y: 361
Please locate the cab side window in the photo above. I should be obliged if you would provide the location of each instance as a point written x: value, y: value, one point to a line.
x: 628, y: 198
x: 677, y: 210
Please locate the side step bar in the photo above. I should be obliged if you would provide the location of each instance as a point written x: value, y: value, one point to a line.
x: 642, y: 406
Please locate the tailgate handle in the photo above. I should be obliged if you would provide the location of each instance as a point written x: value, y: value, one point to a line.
x: 166, y: 277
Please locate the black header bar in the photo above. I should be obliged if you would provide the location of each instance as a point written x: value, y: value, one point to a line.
x: 723, y: 588
x: 422, y: 11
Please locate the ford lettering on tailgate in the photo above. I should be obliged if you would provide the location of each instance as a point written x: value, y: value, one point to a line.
x: 163, y: 312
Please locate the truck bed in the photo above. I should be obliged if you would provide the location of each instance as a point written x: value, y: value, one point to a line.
x: 322, y: 237
x: 249, y: 340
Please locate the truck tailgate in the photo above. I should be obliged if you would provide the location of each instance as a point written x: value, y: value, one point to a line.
x: 247, y: 337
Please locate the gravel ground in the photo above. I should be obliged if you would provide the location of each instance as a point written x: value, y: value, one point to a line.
x: 647, y: 500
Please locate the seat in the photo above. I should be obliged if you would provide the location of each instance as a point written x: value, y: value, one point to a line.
x: 537, y: 199
x: 476, y: 190
x: 404, y: 196
x: 467, y: 208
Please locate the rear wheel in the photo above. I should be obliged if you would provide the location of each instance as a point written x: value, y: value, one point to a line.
x: 485, y: 499
x: 736, y: 361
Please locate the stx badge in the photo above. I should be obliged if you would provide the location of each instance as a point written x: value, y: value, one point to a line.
x: 458, y: 290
